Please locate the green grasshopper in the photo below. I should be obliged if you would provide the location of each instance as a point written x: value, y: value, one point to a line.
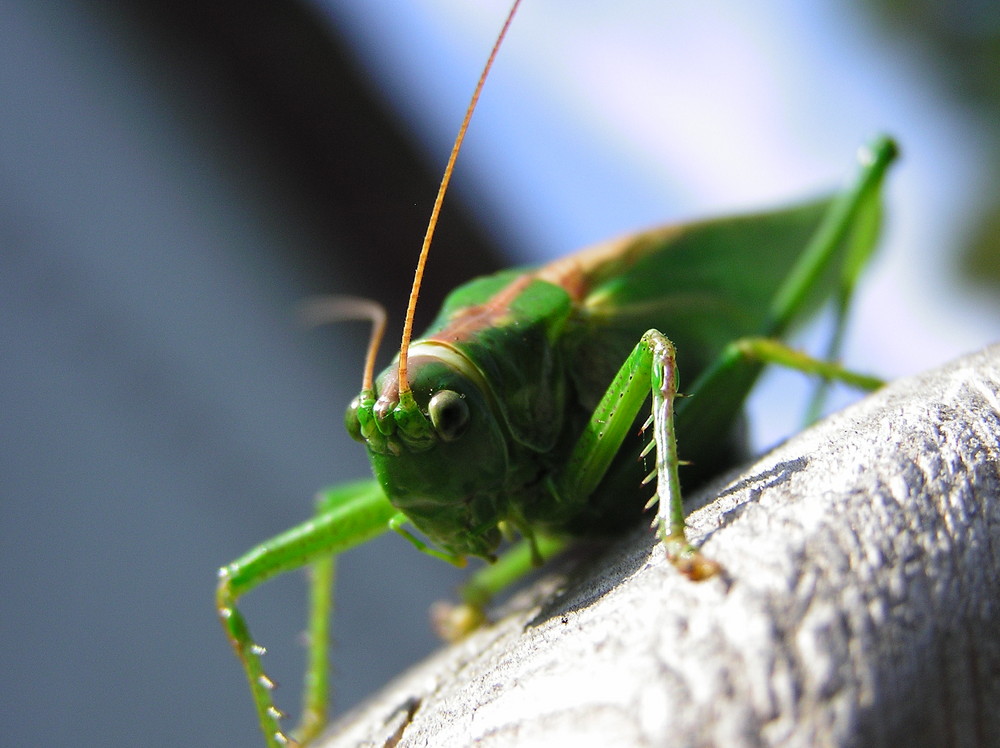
x: 515, y: 415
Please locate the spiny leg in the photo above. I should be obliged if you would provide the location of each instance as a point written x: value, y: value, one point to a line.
x: 349, y: 516
x: 650, y: 367
x: 717, y: 397
x: 741, y: 360
x: 249, y: 652
x: 733, y: 375
x: 669, y: 520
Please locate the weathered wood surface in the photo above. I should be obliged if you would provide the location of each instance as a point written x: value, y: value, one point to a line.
x: 860, y: 605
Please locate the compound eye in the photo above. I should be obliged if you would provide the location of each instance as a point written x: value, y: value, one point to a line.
x: 449, y: 413
x: 352, y: 422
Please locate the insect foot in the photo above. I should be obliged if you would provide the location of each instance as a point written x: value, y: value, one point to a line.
x: 455, y: 622
x: 688, y: 560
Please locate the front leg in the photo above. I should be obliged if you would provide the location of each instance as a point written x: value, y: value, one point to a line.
x: 347, y: 516
x: 669, y: 520
x: 651, y: 367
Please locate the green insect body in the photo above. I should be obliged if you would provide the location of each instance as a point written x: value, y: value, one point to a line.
x: 521, y: 415
x: 525, y: 356
x: 521, y: 411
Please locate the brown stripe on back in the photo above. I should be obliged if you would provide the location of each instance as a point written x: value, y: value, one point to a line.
x: 472, y: 319
x: 579, y: 272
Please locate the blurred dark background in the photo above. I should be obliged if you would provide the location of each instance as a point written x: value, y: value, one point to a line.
x: 172, y: 181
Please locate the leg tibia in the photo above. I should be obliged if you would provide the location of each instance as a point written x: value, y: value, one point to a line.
x: 771, y: 351
x: 346, y: 517
x: 249, y: 653
x: 651, y: 367
x: 670, y: 507
x: 316, y: 695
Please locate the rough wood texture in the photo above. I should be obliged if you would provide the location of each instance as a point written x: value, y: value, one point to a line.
x: 859, y: 605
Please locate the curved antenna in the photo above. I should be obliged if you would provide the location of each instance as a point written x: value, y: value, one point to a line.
x: 322, y: 310
x: 404, y: 346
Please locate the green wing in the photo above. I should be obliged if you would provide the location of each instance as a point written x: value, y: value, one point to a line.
x: 702, y: 284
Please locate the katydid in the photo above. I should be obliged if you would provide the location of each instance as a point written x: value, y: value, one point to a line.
x: 519, y: 412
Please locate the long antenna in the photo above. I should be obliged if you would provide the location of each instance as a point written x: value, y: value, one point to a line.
x: 404, y: 346
x: 321, y: 310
